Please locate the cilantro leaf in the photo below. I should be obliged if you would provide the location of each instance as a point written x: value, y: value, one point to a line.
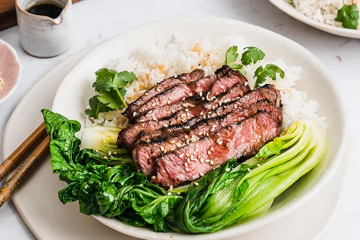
x: 231, y: 55
x: 113, y: 99
x: 252, y: 55
x: 123, y: 78
x: 270, y: 71
x: 96, y: 107
x: 112, y: 88
x: 348, y: 15
x: 104, y: 80
x: 238, y: 67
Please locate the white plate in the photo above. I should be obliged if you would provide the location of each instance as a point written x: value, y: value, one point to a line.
x: 37, y: 202
x: 291, y: 11
x: 10, y: 70
x: 71, y: 102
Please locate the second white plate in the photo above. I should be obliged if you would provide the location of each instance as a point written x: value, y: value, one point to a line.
x: 291, y: 11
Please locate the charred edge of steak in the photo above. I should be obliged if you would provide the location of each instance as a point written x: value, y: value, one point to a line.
x: 174, y: 168
x: 162, y: 86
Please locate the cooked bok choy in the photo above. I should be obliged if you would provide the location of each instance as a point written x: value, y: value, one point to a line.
x: 109, y: 185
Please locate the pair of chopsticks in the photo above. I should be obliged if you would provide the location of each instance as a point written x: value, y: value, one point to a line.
x: 27, y: 166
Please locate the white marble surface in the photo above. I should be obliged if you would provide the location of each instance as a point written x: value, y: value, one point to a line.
x: 95, y: 21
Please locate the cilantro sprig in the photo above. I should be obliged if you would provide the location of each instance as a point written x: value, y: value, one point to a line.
x: 252, y: 55
x: 348, y: 15
x: 270, y: 70
x: 111, y: 86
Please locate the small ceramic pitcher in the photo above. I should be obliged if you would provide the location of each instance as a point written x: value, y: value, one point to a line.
x: 42, y: 36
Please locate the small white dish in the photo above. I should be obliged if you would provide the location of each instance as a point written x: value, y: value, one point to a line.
x: 292, y: 12
x: 323, y: 88
x: 10, y: 70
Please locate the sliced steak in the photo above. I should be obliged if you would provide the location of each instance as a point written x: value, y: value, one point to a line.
x: 161, y: 87
x: 183, y: 91
x: 217, y: 107
x: 145, y: 153
x: 128, y: 136
x: 234, y: 141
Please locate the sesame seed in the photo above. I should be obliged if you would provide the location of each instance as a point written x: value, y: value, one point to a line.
x: 201, y: 160
x: 181, y: 155
x: 157, y: 89
x: 148, y: 140
x: 195, y: 183
x: 249, y: 169
x: 183, y: 98
x: 162, y: 148
x: 212, y: 149
x: 165, y: 125
x: 190, y: 94
x: 217, y: 93
x: 188, y: 155
x: 146, y: 94
x: 167, y: 109
x: 212, y: 130
x: 204, y: 117
x: 186, y: 164
x: 169, y: 193
x: 202, y: 113
x: 228, y: 145
x: 219, y: 141
x: 153, y: 177
x: 202, y: 99
x: 186, y: 92
x: 178, y: 145
x: 109, y: 153
x: 201, y: 174
x: 183, y: 115
x: 186, y: 109
x: 227, y: 169
x: 115, y: 152
x: 235, y: 106
x: 200, y: 94
x: 258, y: 165
x: 191, y: 157
x: 184, y: 105
x: 141, y: 120
x: 188, y: 160
x: 105, y: 157
x: 154, y: 118
x: 170, y: 98
x: 168, y: 102
x: 172, y: 141
x: 246, y: 83
x: 171, y: 187
x: 134, y: 114
x: 184, y: 120
x: 172, y: 110
x: 209, y: 152
x: 211, y: 162
x: 207, y: 96
x: 154, y: 104
x: 187, y: 127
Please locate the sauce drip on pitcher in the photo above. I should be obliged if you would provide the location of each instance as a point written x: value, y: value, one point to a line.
x: 49, y: 9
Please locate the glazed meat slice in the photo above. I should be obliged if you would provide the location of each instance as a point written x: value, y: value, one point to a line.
x: 234, y: 141
x: 216, y: 108
x: 128, y: 136
x: 168, y: 83
x: 145, y: 153
x: 165, y: 112
x: 183, y: 91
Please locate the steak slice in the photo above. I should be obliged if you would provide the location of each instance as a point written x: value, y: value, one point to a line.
x: 161, y: 87
x: 216, y: 108
x: 184, y: 90
x: 145, y: 153
x: 234, y: 141
x: 167, y: 111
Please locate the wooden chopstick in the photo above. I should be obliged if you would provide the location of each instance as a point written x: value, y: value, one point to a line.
x: 14, y: 159
x: 23, y: 171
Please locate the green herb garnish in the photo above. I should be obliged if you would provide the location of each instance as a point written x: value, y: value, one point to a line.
x: 269, y: 70
x: 348, y: 15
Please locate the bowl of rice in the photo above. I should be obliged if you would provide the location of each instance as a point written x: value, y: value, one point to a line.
x: 183, y: 44
x: 320, y: 14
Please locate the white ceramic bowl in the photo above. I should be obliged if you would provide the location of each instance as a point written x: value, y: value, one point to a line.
x: 10, y: 70
x: 291, y: 11
x: 74, y: 92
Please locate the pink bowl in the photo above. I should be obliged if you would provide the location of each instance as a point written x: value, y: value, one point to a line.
x: 10, y: 70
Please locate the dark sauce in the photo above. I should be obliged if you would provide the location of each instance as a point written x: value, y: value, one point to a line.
x: 45, y: 9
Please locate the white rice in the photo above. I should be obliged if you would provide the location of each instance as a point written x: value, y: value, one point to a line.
x: 324, y: 11
x: 153, y: 65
